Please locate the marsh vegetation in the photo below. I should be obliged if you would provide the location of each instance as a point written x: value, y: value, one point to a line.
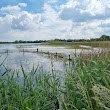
x: 77, y: 45
x: 83, y: 86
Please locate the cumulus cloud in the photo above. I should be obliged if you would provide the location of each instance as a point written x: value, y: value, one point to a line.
x: 105, y: 24
x: 10, y: 9
x: 74, y: 19
x: 85, y: 10
x: 22, y: 25
x: 25, y: 21
x: 53, y: 24
x: 19, y: 19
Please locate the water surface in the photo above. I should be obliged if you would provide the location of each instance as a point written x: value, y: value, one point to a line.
x: 26, y: 55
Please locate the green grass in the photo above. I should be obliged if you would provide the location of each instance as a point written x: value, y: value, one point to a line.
x: 89, y: 87
x: 85, y: 88
x: 76, y: 45
x: 38, y: 92
x: 102, y: 44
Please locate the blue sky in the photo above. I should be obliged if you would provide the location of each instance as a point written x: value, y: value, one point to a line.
x: 50, y: 19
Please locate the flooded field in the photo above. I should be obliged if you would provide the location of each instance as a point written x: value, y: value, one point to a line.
x: 57, y: 80
x: 48, y: 57
x: 15, y: 55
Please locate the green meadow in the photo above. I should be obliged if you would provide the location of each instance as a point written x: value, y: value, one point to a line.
x: 76, y: 45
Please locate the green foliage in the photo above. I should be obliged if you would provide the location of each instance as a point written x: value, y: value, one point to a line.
x: 33, y: 91
x: 88, y: 87
x: 77, y: 45
x: 85, y: 88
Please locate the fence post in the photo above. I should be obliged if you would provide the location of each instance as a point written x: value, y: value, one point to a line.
x: 37, y: 50
x: 56, y: 53
x: 7, y: 51
x: 69, y: 57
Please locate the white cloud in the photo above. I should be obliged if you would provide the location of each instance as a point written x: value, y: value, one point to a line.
x: 10, y: 9
x: 53, y: 24
x: 51, y: 1
x: 22, y: 4
x: 90, y: 17
x: 105, y: 24
x: 28, y: 26
x: 49, y: 13
x: 76, y: 19
x: 25, y: 21
x: 19, y: 19
x: 85, y: 10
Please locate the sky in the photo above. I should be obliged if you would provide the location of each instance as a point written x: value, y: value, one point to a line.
x: 50, y: 19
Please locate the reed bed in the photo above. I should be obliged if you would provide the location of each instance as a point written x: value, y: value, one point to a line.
x: 86, y: 86
x: 102, y: 54
x: 102, y: 44
x: 77, y: 45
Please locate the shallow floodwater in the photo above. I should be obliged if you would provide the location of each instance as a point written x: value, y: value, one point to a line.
x: 15, y: 55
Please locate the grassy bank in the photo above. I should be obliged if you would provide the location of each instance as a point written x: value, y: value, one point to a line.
x: 76, y: 45
x: 87, y: 88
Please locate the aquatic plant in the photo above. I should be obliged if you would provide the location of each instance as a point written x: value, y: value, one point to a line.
x: 85, y: 88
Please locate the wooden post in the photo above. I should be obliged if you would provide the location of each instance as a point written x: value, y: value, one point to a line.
x: 37, y: 50
x: 7, y: 51
x: 56, y: 53
x: 69, y: 57
x: 23, y: 52
x: 69, y: 63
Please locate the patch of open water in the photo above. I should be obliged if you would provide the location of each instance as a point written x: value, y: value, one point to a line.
x: 15, y: 57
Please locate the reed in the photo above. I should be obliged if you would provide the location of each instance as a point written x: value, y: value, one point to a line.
x: 86, y: 86
x: 101, y: 54
x: 77, y: 45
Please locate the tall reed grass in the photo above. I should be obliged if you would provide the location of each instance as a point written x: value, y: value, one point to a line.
x: 102, y: 54
x: 85, y: 88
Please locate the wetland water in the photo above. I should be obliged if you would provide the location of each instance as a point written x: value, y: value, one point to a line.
x: 27, y: 55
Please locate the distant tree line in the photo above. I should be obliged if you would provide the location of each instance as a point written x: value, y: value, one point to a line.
x: 6, y: 42
x: 102, y: 38
x: 21, y: 41
x: 37, y: 41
